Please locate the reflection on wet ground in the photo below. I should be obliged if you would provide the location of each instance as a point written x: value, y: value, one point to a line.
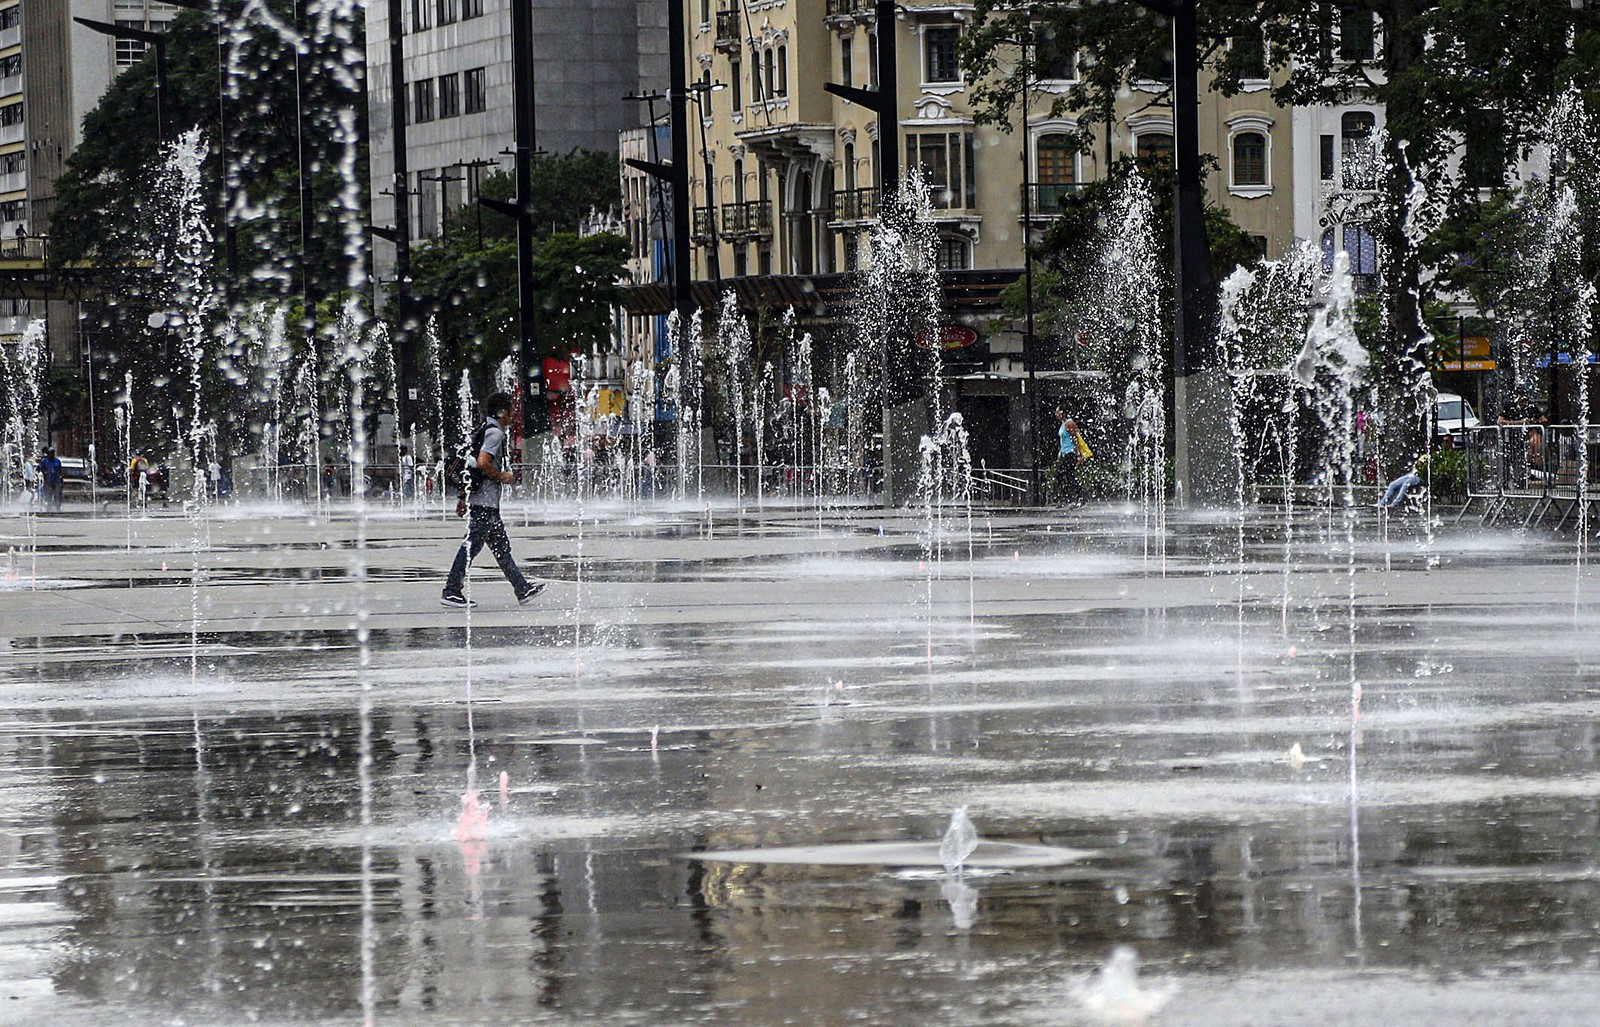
x: 1288, y: 804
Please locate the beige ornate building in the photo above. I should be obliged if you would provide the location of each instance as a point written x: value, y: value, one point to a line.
x: 790, y: 167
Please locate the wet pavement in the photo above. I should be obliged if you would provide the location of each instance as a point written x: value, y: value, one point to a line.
x: 250, y: 771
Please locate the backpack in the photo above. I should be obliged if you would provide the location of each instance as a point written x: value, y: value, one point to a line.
x: 462, y: 467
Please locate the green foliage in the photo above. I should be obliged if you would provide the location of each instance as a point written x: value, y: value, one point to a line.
x: 472, y: 288
x: 1063, y: 258
x: 1447, y: 474
x: 107, y: 212
x: 1487, y: 70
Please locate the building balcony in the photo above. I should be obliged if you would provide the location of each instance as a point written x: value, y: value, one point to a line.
x: 11, y: 36
x: 747, y: 220
x: 704, y: 224
x: 840, y: 13
x: 12, y: 133
x: 11, y: 85
x: 730, y: 26
x: 1046, y: 199
x: 855, y: 204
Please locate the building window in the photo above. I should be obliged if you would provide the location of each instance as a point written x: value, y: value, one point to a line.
x: 849, y: 167
x: 954, y: 254
x: 449, y: 96
x: 421, y: 15
x: 422, y: 100
x: 1483, y: 163
x: 741, y: 260
x: 129, y: 51
x: 471, y: 9
x: 1154, y: 65
x: 1358, y: 243
x: 11, y: 114
x: 735, y: 88
x: 11, y: 17
x: 10, y: 67
x: 1154, y: 147
x: 1359, y: 156
x: 13, y: 210
x: 847, y: 59
x: 1250, y: 56
x: 939, y: 53
x: 947, y: 167
x: 705, y: 13
x: 12, y: 163
x: 1358, y: 37
x: 1055, y: 158
x: 756, y: 94
x: 449, y: 11
x: 1327, y: 160
x: 1249, y: 159
x: 477, y: 92
x: 766, y: 70
x: 783, y: 71
x: 1054, y: 59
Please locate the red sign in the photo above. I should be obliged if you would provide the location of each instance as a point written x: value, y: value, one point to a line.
x: 557, y: 375
x: 950, y: 337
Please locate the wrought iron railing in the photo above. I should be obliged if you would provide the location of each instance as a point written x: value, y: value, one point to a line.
x: 855, y: 204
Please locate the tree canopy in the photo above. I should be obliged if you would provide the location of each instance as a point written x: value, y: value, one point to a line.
x: 467, y: 277
x: 106, y: 207
x: 1484, y: 71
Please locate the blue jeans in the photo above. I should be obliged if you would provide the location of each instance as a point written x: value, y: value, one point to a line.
x: 1396, y: 493
x: 484, y: 527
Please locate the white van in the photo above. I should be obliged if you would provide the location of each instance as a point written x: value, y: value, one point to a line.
x: 1452, y: 416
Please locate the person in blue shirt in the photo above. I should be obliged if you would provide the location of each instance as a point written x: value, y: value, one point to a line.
x: 1064, y: 474
x: 51, y: 473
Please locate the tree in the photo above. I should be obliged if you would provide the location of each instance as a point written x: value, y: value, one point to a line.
x: 1480, y: 70
x: 105, y: 210
x: 471, y: 286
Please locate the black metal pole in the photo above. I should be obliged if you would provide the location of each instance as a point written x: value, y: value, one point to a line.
x: 678, y: 118
x: 398, y: 116
x: 523, y: 117
x: 888, y: 103
x: 1200, y: 425
x: 1029, y: 355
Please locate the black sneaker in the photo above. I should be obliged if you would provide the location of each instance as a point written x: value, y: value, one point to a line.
x: 460, y: 602
x: 526, y: 596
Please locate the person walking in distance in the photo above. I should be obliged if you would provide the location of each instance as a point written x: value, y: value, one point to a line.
x: 480, y: 504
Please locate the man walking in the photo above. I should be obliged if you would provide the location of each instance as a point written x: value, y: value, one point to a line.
x: 481, y: 503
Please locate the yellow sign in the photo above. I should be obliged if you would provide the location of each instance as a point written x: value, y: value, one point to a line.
x: 1471, y: 355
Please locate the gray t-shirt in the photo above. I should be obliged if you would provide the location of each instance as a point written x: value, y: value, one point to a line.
x: 487, y: 492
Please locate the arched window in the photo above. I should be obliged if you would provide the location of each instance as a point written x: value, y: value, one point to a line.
x: 1249, y: 159
x: 768, y: 64
x: 1054, y: 160
x: 849, y: 167
x: 756, y: 95
x: 1155, y: 147
x: 783, y: 72
x: 738, y: 180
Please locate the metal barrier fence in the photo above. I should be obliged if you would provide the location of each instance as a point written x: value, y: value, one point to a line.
x: 1532, y: 471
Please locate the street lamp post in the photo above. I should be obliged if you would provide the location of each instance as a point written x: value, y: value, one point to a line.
x: 1200, y: 400
x: 701, y: 91
x: 1029, y: 351
x: 155, y: 41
